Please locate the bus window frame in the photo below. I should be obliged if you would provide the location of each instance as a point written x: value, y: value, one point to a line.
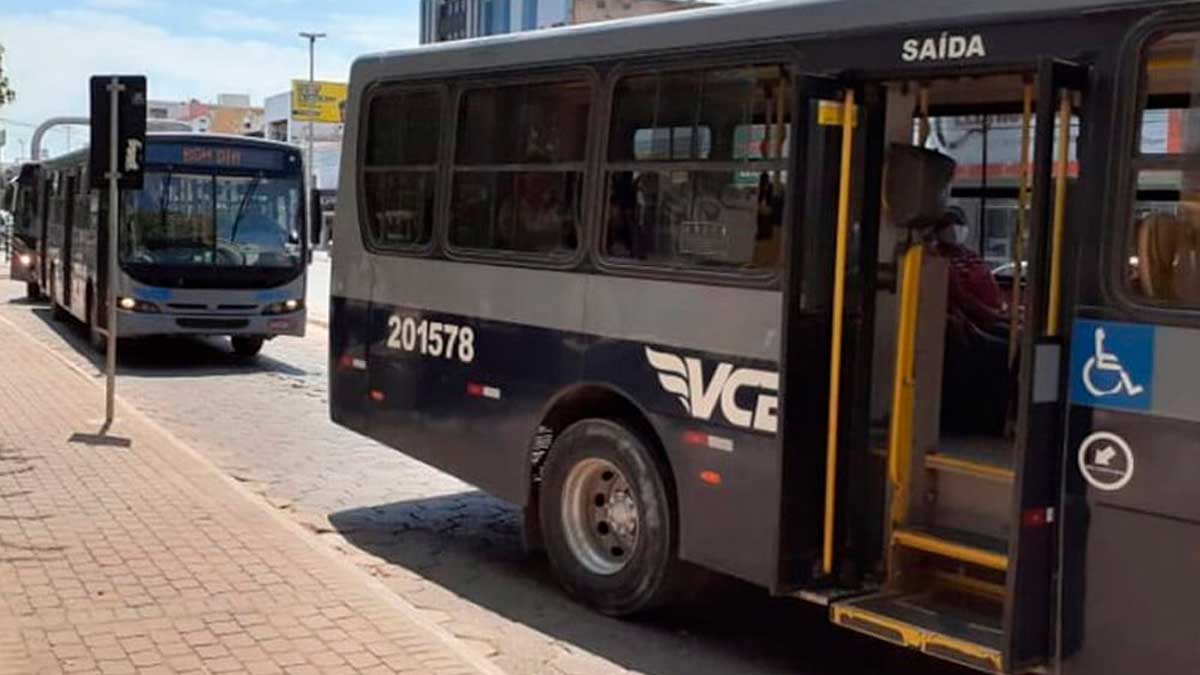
x: 376, y: 90
x: 1128, y: 94
x: 771, y: 280
x: 585, y: 227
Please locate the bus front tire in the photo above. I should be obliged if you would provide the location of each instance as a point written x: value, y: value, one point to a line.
x: 32, y: 290
x: 606, y: 518
x: 246, y: 346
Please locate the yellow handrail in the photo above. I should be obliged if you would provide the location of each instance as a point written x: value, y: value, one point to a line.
x: 1018, y: 239
x: 1060, y: 214
x: 903, y: 383
x: 839, y: 303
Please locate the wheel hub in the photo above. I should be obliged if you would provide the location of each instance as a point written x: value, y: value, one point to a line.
x: 599, y: 516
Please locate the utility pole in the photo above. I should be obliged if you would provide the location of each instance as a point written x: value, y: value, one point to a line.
x: 309, y: 175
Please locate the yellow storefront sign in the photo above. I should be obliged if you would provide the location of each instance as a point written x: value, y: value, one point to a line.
x: 318, y: 101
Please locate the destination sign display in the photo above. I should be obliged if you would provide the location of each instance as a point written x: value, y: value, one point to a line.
x: 218, y: 156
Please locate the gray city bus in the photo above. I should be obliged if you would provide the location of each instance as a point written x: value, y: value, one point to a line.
x: 20, y: 201
x: 722, y: 288
x: 213, y: 243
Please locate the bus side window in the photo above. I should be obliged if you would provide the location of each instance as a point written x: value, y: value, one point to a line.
x: 400, y: 173
x: 519, y: 167
x: 1163, y: 235
x: 697, y: 168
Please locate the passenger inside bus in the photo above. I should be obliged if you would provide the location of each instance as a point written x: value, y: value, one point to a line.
x: 1168, y: 258
x: 976, y: 377
x: 535, y: 217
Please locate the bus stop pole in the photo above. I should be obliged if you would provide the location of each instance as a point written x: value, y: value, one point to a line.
x: 114, y: 90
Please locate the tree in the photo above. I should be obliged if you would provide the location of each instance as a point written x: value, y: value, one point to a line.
x: 7, y: 95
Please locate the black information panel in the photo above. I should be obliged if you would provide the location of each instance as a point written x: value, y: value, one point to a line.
x: 131, y: 130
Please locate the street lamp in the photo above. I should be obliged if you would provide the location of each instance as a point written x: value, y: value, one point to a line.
x: 312, y: 42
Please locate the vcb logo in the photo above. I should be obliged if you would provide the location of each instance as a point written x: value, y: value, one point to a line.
x: 684, y: 377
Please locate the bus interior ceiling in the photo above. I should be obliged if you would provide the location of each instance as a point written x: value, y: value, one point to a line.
x: 945, y: 438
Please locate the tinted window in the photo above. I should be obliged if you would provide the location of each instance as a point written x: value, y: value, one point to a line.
x: 697, y: 168
x: 400, y: 178
x: 518, y: 172
x: 1163, y: 243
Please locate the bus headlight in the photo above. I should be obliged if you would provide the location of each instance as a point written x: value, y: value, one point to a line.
x: 135, y: 305
x: 25, y: 259
x: 286, y: 307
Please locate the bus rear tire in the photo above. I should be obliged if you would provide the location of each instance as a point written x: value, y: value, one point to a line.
x: 57, y: 311
x: 606, y: 517
x: 98, y: 339
x: 246, y: 346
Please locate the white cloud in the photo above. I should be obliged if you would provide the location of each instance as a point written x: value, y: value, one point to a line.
x: 226, y: 20
x: 372, y: 33
x: 125, y: 4
x: 50, y: 57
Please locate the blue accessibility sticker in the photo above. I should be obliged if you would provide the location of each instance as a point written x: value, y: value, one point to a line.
x: 1112, y: 365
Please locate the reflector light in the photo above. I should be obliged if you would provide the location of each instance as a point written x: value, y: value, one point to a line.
x: 483, y: 391
x: 1039, y: 517
x: 710, y: 477
x: 376, y: 395
x: 708, y: 440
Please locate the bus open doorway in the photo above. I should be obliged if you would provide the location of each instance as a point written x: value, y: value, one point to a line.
x: 962, y: 379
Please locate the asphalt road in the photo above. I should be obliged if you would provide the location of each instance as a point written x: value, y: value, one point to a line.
x: 449, y: 549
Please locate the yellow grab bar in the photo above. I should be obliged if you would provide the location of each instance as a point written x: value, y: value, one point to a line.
x: 903, y: 382
x: 839, y: 303
x: 1018, y: 239
x: 1060, y: 214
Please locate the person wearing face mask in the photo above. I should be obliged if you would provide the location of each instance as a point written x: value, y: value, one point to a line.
x: 974, y: 296
x: 976, y: 376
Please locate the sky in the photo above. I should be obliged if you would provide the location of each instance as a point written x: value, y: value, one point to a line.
x: 186, y: 48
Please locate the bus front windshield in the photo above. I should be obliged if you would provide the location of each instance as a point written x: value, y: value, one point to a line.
x: 213, y: 220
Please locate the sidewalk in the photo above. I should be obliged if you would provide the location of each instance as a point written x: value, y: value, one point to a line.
x: 145, y: 559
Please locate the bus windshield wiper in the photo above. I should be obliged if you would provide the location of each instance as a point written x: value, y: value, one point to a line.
x: 242, y: 208
x: 162, y: 200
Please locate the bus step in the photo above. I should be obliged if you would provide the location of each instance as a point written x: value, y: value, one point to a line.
x: 984, y: 458
x: 929, y: 623
x: 968, y: 547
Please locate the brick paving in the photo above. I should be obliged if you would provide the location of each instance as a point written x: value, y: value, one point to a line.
x: 144, y: 559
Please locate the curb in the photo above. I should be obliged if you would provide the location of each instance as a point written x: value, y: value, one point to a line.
x: 452, y: 643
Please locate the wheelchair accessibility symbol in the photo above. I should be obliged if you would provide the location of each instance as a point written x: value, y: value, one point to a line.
x: 1103, y: 362
x: 1112, y: 365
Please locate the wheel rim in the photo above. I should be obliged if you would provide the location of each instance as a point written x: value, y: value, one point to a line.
x: 600, y: 516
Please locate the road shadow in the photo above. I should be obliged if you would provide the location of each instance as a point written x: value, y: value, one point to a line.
x: 469, y: 544
x: 101, y: 439
x: 25, y: 301
x: 167, y: 356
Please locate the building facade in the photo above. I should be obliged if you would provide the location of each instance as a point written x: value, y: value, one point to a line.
x: 587, y: 11
x: 280, y: 124
x: 443, y: 20
x: 231, y: 114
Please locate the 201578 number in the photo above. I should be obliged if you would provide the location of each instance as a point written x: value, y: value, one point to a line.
x: 431, y: 338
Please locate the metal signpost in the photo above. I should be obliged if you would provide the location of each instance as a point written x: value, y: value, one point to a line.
x: 118, y: 150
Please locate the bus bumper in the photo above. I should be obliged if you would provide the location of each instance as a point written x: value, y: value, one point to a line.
x: 139, y: 324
